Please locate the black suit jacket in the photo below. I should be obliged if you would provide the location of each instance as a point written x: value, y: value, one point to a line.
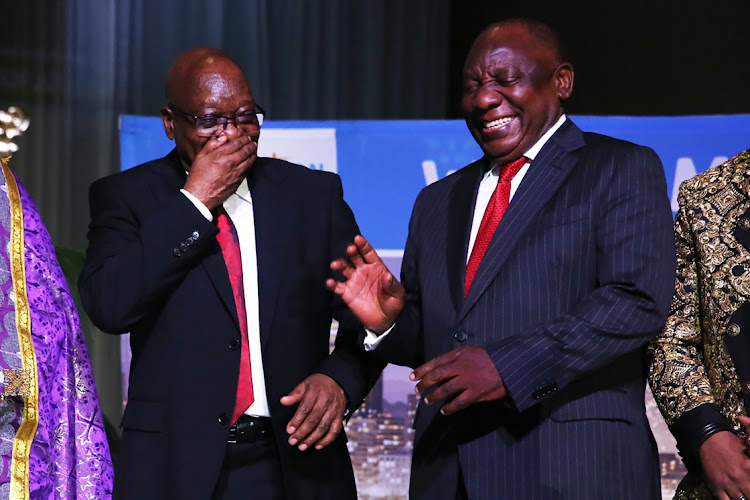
x: 154, y: 269
x: 577, y: 278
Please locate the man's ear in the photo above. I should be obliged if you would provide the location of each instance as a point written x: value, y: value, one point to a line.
x: 167, y: 121
x: 564, y: 80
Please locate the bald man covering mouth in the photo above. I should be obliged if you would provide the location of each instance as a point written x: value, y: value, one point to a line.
x: 215, y: 261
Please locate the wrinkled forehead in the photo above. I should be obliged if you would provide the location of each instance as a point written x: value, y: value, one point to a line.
x: 212, y: 84
x: 507, y: 47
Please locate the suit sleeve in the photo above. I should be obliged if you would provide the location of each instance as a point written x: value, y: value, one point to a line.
x: 348, y: 364
x: 677, y: 374
x: 134, y: 261
x: 629, y: 304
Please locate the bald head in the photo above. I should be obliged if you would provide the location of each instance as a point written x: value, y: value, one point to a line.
x: 540, y: 33
x: 192, y: 69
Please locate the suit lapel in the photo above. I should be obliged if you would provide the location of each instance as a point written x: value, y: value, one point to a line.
x: 172, y: 173
x: 273, y: 216
x: 547, y: 172
x: 461, y: 213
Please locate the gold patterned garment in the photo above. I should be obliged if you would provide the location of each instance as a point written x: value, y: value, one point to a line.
x: 693, y: 374
x: 52, y: 439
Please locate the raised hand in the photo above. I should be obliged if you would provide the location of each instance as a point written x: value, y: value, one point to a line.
x: 220, y: 167
x: 467, y: 375
x: 369, y: 289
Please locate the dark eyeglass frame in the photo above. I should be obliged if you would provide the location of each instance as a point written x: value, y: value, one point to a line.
x: 222, y: 121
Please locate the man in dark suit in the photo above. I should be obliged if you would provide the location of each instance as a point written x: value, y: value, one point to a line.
x: 215, y: 261
x: 532, y: 279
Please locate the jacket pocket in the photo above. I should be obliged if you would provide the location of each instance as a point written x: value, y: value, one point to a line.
x: 600, y: 405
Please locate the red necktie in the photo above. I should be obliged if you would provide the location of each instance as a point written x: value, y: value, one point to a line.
x: 492, y: 215
x: 230, y: 249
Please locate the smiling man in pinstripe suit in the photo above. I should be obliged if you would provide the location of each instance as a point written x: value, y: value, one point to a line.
x: 527, y: 296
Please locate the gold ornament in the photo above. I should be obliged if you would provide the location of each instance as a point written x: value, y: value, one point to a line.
x: 12, y: 124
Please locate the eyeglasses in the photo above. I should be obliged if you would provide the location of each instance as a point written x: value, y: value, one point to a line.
x: 207, y: 125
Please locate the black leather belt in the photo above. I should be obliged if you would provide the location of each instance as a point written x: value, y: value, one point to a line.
x: 249, y: 429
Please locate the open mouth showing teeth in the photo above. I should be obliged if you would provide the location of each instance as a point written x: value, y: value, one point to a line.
x: 499, y: 122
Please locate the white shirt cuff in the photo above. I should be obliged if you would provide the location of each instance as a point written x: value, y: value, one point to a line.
x: 372, y: 339
x: 199, y: 205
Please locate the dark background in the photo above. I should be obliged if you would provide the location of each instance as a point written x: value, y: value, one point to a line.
x: 663, y: 57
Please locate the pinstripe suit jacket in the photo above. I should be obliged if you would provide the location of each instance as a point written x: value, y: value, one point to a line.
x: 577, y: 278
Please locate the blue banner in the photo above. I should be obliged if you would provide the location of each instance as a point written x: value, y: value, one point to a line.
x: 384, y: 164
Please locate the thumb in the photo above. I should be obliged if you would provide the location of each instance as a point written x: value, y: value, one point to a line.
x: 745, y: 421
x: 390, y: 285
x: 295, y: 396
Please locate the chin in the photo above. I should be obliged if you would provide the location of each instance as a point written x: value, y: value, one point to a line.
x: 499, y: 152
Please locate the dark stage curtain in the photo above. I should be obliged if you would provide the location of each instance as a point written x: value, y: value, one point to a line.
x: 75, y: 65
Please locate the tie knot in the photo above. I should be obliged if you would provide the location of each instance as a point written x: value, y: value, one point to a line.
x: 509, y: 170
x: 223, y: 222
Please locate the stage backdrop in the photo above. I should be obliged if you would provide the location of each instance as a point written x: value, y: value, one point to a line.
x: 383, y: 165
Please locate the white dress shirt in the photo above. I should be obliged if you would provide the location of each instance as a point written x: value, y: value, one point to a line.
x: 486, y: 187
x: 239, y: 208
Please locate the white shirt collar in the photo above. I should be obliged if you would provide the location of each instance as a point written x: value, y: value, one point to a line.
x: 534, y: 150
x: 243, y: 191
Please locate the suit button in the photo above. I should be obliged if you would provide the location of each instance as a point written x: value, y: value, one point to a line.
x: 234, y: 344
x: 733, y: 329
x: 461, y: 336
x: 223, y: 418
x: 177, y: 252
x: 183, y: 247
x: 743, y: 223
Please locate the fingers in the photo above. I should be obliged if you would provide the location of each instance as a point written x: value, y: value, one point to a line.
x: 214, y: 143
x: 230, y: 153
x: 360, y: 252
x: 342, y: 266
x: 391, y: 286
x: 462, y: 401
x: 317, y: 418
x: 421, y: 371
x: 355, y: 255
x: 365, y: 249
x: 445, y: 390
x: 333, y: 286
x: 433, y: 379
x: 310, y: 416
x: 324, y: 432
x: 337, y: 426
x: 294, y: 397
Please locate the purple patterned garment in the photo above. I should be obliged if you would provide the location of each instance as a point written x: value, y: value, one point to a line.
x: 69, y: 454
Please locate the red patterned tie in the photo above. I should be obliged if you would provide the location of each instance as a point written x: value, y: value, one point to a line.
x: 230, y: 249
x: 492, y: 215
